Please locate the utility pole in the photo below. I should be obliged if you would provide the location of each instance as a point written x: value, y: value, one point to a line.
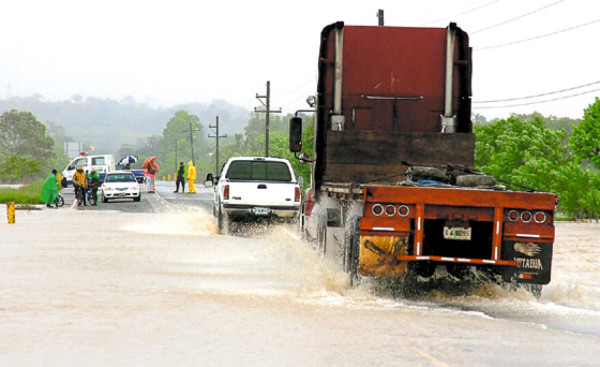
x: 191, y: 131
x: 267, y: 105
x: 216, y: 136
x: 176, y: 154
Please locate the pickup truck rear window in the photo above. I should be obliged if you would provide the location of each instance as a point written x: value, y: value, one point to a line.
x: 258, y: 170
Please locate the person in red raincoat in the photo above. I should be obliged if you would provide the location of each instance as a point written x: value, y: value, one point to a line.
x: 150, y: 173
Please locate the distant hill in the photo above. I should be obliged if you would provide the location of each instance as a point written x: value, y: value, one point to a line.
x: 107, y: 124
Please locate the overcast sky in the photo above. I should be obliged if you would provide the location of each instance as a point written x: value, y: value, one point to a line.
x: 179, y: 51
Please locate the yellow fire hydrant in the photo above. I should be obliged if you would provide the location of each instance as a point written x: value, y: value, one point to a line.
x: 11, y: 212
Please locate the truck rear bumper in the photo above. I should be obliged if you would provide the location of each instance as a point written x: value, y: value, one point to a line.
x: 385, y: 256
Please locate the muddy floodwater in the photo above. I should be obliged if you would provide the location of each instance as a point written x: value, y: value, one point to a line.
x: 105, y: 288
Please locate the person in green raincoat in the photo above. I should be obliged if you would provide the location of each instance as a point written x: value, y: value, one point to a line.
x: 49, y: 189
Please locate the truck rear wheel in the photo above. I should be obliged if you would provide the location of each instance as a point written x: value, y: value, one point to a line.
x: 322, y: 232
x: 352, y: 250
x: 535, y: 289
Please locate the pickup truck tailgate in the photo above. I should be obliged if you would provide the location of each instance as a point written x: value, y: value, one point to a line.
x: 271, y: 194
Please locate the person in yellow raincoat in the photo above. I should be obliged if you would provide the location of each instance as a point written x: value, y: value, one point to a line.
x: 191, y: 176
x: 80, y: 182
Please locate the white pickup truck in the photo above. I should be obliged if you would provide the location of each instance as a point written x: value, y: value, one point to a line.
x: 255, y: 189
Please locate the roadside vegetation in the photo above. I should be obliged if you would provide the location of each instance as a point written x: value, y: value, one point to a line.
x: 26, y: 194
x: 525, y: 151
x: 552, y: 154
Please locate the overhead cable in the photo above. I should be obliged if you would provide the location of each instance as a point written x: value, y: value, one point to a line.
x: 538, y: 37
x: 462, y: 13
x: 544, y: 101
x: 538, y: 95
x: 518, y: 17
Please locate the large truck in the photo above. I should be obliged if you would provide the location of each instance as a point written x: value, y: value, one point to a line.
x: 394, y: 191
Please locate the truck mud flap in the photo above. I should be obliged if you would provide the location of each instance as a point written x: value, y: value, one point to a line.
x: 377, y: 256
x: 534, y: 261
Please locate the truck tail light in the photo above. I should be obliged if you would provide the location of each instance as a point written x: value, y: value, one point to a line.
x: 403, y: 210
x: 390, y: 210
x: 377, y: 210
x: 513, y: 215
x: 540, y: 217
x: 226, y: 192
x: 526, y: 216
x: 297, y: 195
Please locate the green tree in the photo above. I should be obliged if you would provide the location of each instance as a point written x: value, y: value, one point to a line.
x: 530, y: 154
x: 25, y: 147
x: 175, y: 143
x: 585, y: 141
x: 22, y: 134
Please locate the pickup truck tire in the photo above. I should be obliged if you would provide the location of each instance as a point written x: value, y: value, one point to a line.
x: 223, y: 222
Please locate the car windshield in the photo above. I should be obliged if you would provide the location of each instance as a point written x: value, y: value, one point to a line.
x: 259, y: 170
x: 120, y: 178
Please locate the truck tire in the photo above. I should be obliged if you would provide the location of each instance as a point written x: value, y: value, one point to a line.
x: 352, y: 251
x: 223, y: 222
x: 322, y: 232
x: 534, y: 289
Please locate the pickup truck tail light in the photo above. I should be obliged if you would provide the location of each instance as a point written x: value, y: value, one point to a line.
x: 226, y: 192
x: 297, y: 198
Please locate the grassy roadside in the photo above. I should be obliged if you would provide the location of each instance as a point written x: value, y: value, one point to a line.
x: 24, y: 195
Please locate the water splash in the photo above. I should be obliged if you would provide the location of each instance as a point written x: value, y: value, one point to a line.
x: 176, y: 220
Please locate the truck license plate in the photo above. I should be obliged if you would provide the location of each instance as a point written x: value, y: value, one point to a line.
x: 457, y: 233
x: 261, y: 211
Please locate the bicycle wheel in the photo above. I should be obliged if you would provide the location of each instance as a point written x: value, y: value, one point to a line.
x: 79, y: 196
x: 59, y: 201
x: 93, y: 198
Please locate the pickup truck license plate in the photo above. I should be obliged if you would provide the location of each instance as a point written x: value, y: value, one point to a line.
x: 261, y: 211
x: 457, y: 233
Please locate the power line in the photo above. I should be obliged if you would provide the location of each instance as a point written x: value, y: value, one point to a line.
x: 311, y: 80
x: 538, y: 37
x: 461, y: 13
x: 544, y: 101
x: 518, y: 17
x: 538, y: 95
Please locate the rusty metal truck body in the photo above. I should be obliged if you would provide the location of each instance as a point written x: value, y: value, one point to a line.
x: 390, y: 101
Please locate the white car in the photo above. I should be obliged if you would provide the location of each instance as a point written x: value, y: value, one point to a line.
x: 120, y: 185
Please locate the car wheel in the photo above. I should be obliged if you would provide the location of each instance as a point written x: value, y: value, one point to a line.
x: 104, y: 199
x: 139, y: 197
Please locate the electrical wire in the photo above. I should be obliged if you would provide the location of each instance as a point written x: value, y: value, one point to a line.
x: 518, y: 17
x: 461, y: 13
x: 538, y: 95
x: 544, y: 101
x: 311, y: 80
x: 538, y: 37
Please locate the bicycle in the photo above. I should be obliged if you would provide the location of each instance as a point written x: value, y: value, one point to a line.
x: 79, y: 192
x: 59, y: 201
x: 92, y: 193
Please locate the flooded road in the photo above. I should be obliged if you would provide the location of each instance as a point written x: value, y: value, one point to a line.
x: 101, y: 288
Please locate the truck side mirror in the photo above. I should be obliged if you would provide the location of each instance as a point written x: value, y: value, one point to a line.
x: 209, y: 180
x: 295, y: 134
